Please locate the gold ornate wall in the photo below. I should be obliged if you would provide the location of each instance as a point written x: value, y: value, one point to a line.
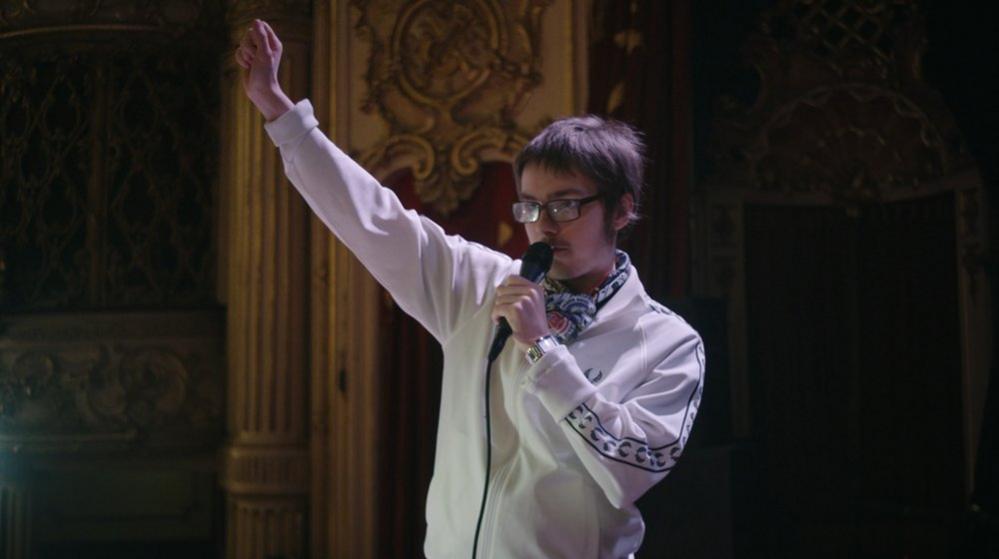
x: 449, y: 80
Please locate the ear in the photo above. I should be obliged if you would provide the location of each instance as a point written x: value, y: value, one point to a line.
x: 622, y: 215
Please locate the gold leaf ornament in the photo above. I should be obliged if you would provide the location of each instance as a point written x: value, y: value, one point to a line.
x: 448, y: 78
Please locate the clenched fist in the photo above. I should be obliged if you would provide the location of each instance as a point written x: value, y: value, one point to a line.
x: 522, y: 303
x: 259, y: 53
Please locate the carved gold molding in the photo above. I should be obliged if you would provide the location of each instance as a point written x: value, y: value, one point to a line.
x: 281, y: 471
x: 448, y: 78
x: 110, y: 381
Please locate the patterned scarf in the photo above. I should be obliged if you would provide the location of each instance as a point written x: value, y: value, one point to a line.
x: 570, y: 313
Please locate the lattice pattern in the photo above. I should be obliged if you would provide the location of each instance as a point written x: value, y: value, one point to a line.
x: 835, y: 28
x: 44, y: 167
x: 107, y: 166
x: 160, y: 166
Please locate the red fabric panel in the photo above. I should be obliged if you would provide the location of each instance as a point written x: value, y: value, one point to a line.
x: 480, y: 218
x: 640, y: 63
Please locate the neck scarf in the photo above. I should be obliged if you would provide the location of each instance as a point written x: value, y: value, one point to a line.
x: 570, y: 313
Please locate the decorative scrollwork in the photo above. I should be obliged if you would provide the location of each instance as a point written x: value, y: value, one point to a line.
x: 55, y: 394
x: 448, y: 78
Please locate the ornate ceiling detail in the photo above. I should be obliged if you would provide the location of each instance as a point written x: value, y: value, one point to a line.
x: 39, y: 16
x: 841, y: 108
x: 449, y: 78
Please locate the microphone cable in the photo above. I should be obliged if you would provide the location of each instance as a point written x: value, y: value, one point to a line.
x: 535, y: 264
x: 489, y: 461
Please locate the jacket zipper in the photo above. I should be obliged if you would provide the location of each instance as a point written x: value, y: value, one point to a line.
x: 496, y: 487
x: 502, y: 475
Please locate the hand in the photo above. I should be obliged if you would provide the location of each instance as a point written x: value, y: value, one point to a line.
x: 522, y: 303
x: 259, y: 53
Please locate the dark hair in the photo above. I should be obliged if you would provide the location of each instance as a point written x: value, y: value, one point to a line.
x: 608, y: 152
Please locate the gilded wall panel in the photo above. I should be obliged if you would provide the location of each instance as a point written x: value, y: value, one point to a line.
x: 104, y: 382
x: 448, y: 79
x: 451, y: 84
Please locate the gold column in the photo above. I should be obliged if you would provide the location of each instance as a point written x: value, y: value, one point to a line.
x: 346, y: 339
x: 265, y: 232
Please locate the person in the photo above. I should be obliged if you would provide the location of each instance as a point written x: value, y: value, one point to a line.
x: 593, y: 401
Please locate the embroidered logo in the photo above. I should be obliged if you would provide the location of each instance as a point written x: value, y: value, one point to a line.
x: 660, y: 308
x: 593, y: 375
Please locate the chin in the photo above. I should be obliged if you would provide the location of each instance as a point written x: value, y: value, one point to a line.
x: 558, y: 272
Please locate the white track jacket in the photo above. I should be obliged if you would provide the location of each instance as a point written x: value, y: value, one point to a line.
x: 577, y: 437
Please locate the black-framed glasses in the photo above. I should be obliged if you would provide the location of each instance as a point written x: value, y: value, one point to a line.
x: 558, y: 210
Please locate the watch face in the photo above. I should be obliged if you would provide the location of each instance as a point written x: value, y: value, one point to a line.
x: 540, y: 347
x: 547, y: 343
x: 534, y: 353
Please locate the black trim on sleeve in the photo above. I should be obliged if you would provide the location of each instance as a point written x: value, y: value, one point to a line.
x: 636, y: 452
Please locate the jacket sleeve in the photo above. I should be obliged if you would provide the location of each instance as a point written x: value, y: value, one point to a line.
x: 627, y: 446
x: 434, y: 277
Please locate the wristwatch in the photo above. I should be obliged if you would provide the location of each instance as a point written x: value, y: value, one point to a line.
x: 540, y: 347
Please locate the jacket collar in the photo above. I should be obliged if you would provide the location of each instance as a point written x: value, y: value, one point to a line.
x: 619, y: 309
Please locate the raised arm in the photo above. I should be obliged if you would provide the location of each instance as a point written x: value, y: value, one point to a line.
x: 436, y: 278
x: 259, y: 53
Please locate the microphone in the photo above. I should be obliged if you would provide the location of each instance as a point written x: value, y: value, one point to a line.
x: 535, y: 264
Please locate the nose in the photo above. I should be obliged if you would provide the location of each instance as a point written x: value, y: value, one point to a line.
x: 547, y: 225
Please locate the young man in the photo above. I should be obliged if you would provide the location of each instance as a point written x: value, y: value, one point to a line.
x: 592, y: 402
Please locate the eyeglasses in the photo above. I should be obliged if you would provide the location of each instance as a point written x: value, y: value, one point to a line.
x: 558, y: 210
